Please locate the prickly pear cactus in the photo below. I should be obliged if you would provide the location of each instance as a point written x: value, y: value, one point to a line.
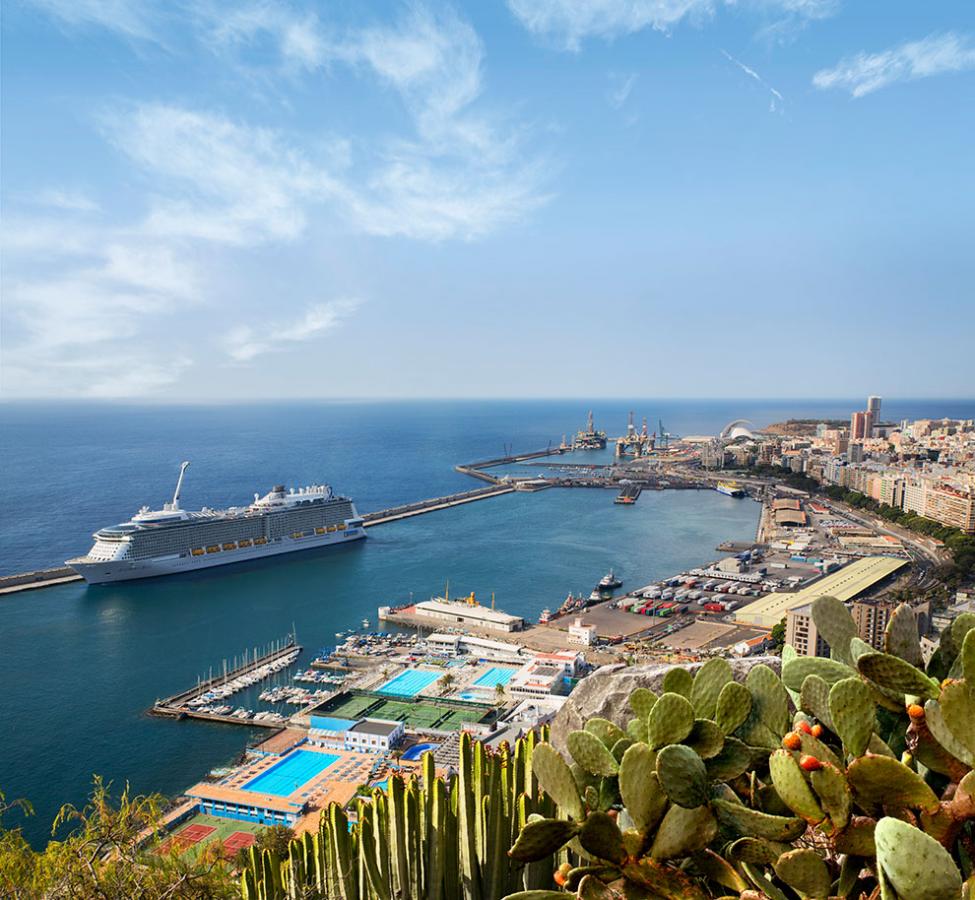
x: 848, y: 777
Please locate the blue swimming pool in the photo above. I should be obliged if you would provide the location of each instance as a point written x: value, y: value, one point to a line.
x: 494, y: 676
x: 287, y: 776
x: 417, y: 750
x: 409, y: 683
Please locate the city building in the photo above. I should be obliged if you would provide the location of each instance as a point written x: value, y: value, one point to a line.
x: 801, y: 632
x: 374, y: 735
x: 871, y: 618
x: 858, y: 426
x: 951, y: 506
x: 873, y: 415
x: 582, y: 634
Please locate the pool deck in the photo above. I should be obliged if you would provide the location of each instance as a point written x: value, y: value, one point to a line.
x: 337, y: 783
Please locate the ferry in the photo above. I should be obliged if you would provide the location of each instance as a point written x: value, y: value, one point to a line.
x: 730, y: 489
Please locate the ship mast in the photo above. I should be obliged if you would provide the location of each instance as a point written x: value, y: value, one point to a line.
x: 179, y: 484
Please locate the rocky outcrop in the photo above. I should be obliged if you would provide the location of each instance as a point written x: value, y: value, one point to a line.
x: 605, y: 692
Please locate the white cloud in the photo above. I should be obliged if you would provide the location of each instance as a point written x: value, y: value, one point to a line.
x: 129, y: 18
x: 216, y: 179
x: 67, y: 200
x: 245, y: 343
x: 567, y: 23
x: 864, y: 73
x: 621, y: 87
x: 776, y: 99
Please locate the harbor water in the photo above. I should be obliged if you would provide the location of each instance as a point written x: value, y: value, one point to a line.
x: 79, y: 665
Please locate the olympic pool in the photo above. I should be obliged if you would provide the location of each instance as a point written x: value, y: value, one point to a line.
x: 286, y: 777
x: 494, y: 676
x: 409, y: 683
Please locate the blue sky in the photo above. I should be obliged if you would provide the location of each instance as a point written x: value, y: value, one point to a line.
x: 241, y: 200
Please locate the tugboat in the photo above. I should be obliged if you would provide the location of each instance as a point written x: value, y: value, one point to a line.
x: 610, y: 582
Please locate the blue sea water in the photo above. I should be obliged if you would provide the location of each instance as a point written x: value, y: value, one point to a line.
x: 79, y: 665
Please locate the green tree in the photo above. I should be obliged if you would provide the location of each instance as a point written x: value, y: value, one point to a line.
x: 778, y: 635
x: 106, y: 854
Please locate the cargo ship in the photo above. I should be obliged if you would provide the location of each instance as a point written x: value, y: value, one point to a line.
x: 730, y: 489
x: 172, y: 540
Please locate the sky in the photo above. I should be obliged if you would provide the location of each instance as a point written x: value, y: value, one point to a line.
x: 216, y: 200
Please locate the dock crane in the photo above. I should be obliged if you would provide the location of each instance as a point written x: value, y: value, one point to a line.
x: 664, y: 436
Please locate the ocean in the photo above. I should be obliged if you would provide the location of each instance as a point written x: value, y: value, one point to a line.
x: 79, y: 665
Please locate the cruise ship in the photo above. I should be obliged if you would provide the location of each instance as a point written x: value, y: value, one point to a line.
x: 172, y: 540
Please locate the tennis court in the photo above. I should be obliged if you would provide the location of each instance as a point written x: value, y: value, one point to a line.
x: 239, y: 840
x: 286, y: 777
x: 190, y: 835
x: 408, y: 683
x: 494, y: 676
x: 415, y: 713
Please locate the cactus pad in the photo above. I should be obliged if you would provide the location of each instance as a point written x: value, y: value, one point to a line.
x: 795, y: 671
x: 958, y: 712
x: 707, y: 685
x: 591, y: 754
x: 835, y: 624
x: 641, y: 702
x: 814, y: 699
x: 934, y: 719
x: 882, y: 781
x: 901, y: 638
x: 606, y: 731
x: 556, y: 779
x: 640, y: 790
x: 601, y: 837
x: 733, y: 705
x: 834, y: 794
x: 678, y: 681
x: 683, y: 831
x: 671, y: 719
x: 706, y: 739
x: 770, y: 702
x: 914, y: 863
x: 747, y: 822
x: 682, y: 775
x: 804, y: 871
x: 791, y: 785
x: 636, y: 730
x: 542, y: 838
x: 852, y: 709
x: 734, y: 759
x: 893, y: 674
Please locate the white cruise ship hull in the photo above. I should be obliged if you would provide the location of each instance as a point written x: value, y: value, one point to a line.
x: 105, y: 572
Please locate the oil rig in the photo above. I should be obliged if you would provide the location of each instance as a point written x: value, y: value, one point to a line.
x: 589, y: 439
x: 635, y: 443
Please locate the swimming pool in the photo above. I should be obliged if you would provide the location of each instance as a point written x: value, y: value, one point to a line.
x: 473, y: 695
x: 295, y: 770
x: 409, y: 683
x: 494, y: 676
x: 417, y: 750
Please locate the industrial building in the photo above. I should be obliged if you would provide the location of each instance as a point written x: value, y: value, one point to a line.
x: 849, y: 582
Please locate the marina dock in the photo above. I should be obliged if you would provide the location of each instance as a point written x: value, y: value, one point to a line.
x: 178, y: 705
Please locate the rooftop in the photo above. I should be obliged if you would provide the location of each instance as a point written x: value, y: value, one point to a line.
x: 845, y: 584
x: 375, y: 726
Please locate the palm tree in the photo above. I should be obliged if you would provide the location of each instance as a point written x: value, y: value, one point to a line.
x: 499, y: 695
x: 446, y: 680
